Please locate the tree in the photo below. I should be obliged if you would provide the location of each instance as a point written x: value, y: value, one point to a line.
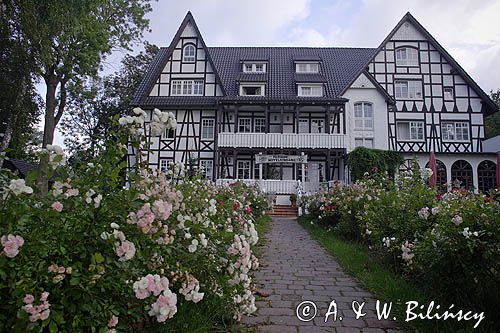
x: 492, y: 123
x: 69, y: 39
x: 92, y: 103
x: 20, y: 104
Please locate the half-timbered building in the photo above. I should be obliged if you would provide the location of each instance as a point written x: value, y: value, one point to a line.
x: 278, y: 115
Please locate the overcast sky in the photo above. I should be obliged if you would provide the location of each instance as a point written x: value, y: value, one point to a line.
x: 468, y: 29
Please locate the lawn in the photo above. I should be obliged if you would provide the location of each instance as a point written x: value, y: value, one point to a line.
x: 385, y: 284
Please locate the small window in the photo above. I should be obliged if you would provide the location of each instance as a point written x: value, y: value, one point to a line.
x: 244, y: 125
x: 198, y: 87
x: 310, y: 91
x: 406, y: 56
x: 448, y: 93
x: 252, y: 90
x: 243, y: 169
x: 363, y: 142
x: 408, y: 89
x: 317, y: 125
x: 454, y: 131
x: 410, y: 131
x: 363, y: 116
x: 168, y: 134
x: 208, y: 167
x: 189, y: 53
x: 260, y: 125
x: 254, y: 67
x: 207, y: 129
x: 176, y: 87
x: 163, y: 165
x: 307, y: 67
x: 187, y: 87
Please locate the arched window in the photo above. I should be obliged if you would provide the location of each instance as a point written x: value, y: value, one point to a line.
x: 462, y: 171
x: 406, y: 56
x: 363, y: 116
x: 441, y: 179
x: 189, y: 53
x: 486, y: 176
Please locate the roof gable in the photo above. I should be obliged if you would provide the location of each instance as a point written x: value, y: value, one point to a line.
x: 187, y: 29
x: 408, y: 28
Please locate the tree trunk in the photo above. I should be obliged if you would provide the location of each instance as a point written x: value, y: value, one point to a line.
x: 7, y: 136
x: 51, y: 82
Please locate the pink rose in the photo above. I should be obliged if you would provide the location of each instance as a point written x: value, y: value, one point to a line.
x: 28, y: 299
x: 44, y: 296
x: 57, y: 206
x: 113, y: 321
x: 11, y: 245
x: 45, y: 314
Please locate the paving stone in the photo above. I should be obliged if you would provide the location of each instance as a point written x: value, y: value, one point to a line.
x: 294, y: 268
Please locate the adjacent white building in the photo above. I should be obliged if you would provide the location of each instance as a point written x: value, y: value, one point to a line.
x: 278, y: 115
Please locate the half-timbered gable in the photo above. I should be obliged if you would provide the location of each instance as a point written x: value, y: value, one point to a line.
x: 438, y: 106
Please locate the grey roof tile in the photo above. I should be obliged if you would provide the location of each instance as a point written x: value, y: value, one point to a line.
x: 338, y: 68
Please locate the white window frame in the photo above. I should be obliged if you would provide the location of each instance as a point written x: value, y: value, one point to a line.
x: 194, y: 87
x: 364, y: 142
x: 408, y: 89
x: 242, y: 166
x: 190, y: 57
x: 455, y: 131
x: 176, y: 87
x: 206, y: 125
x: 254, y: 67
x: 406, y: 56
x: 245, y: 123
x: 363, y: 119
x: 261, y: 86
x: 208, y: 168
x: 415, y: 127
x: 307, y: 67
x: 163, y: 164
x: 310, y: 90
x: 317, y: 125
x: 261, y: 126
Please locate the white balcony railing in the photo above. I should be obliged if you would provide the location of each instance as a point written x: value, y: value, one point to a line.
x: 281, y: 140
x: 279, y: 186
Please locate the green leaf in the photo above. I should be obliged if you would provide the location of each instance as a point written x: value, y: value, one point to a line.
x: 98, y: 258
x: 52, y: 327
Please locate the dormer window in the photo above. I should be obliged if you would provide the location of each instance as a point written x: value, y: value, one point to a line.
x: 189, y: 53
x: 252, y: 89
x: 310, y: 90
x: 254, y: 67
x: 307, y: 67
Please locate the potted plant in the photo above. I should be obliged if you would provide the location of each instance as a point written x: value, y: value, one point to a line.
x: 293, y: 199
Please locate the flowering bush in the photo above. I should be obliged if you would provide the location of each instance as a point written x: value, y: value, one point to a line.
x: 449, y: 242
x: 99, y: 254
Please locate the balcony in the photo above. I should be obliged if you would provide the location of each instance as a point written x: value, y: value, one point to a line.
x: 281, y: 140
x: 280, y: 186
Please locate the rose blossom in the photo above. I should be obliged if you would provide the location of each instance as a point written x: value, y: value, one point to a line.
x: 57, y: 206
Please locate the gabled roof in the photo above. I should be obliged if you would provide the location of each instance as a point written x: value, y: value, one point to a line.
x: 491, y: 106
x: 162, y: 58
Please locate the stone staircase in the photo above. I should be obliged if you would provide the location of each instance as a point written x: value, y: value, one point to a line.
x: 283, y: 211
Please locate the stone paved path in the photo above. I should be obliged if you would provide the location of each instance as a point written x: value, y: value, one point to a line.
x: 295, y: 268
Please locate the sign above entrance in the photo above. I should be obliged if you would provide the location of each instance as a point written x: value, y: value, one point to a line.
x: 280, y: 159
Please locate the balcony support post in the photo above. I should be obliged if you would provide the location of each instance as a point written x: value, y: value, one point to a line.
x: 281, y: 119
x: 236, y: 121
x: 234, y: 164
x: 303, y: 171
x: 297, y: 110
x: 327, y: 173
x: 328, y: 115
x: 268, y: 117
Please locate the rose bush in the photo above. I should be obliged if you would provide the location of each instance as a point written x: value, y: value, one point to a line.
x: 100, y: 254
x: 449, y: 242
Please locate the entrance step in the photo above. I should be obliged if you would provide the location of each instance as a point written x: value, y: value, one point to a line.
x: 283, y: 210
